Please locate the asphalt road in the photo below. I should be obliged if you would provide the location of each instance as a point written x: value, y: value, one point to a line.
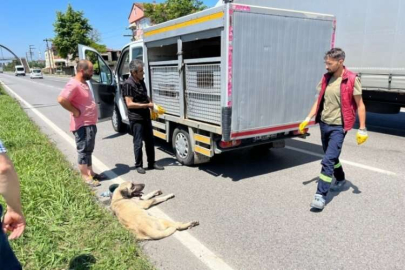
x: 253, y: 208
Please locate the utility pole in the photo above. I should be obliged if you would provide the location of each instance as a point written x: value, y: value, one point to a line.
x: 49, y: 55
x: 31, y: 51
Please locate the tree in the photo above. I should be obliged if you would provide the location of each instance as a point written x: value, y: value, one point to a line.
x: 172, y: 9
x: 10, y: 66
x: 71, y: 29
x: 95, y: 35
x: 37, y: 64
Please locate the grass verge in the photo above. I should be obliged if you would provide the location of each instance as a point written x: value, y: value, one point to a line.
x: 66, y: 227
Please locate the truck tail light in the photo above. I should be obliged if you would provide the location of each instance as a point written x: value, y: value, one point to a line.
x: 229, y: 144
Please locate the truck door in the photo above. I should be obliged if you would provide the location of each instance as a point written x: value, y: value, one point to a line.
x: 137, y: 51
x: 102, y: 84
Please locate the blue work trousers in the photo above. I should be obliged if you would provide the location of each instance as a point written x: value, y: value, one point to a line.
x: 332, y: 137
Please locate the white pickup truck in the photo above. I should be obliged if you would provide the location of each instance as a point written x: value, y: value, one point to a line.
x: 229, y: 77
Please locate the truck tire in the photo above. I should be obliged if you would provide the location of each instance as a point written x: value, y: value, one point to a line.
x: 116, y: 121
x: 182, y: 147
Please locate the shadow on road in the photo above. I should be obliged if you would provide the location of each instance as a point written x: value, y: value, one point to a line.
x: 115, y: 135
x: 246, y: 163
x: 332, y: 194
x: 36, y: 106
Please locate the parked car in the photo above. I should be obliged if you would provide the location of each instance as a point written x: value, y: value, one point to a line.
x: 36, y: 74
x: 19, y: 70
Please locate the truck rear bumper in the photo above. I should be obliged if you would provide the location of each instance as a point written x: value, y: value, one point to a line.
x: 276, y: 142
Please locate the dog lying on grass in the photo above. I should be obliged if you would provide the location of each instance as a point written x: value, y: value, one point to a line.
x: 129, y: 205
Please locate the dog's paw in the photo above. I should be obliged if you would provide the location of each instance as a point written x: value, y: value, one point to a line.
x: 193, y: 224
x: 170, y: 196
x: 158, y: 192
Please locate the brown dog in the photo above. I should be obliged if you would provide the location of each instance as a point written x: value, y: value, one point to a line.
x: 129, y: 206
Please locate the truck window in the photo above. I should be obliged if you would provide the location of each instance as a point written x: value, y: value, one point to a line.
x: 102, y: 73
x: 123, y: 69
x: 137, y: 53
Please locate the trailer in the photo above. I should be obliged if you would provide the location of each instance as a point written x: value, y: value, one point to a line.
x: 229, y: 77
x: 371, y: 32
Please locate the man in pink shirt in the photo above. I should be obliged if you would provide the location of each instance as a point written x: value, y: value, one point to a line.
x: 77, y: 98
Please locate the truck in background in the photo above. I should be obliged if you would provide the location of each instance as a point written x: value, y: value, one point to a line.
x: 229, y: 77
x: 19, y: 70
x: 371, y: 32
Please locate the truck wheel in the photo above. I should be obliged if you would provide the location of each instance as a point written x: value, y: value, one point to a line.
x: 182, y: 147
x: 116, y: 121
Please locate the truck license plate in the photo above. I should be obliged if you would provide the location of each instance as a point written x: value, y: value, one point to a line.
x: 264, y: 137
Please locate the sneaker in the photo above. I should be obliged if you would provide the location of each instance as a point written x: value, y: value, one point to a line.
x: 318, y: 202
x: 338, y: 185
x: 140, y: 170
x: 155, y: 167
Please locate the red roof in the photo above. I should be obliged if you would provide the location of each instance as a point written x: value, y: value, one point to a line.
x: 138, y: 5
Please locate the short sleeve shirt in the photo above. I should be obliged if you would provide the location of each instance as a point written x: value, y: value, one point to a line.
x: 137, y: 91
x: 2, y: 148
x: 81, y: 97
x: 331, y: 113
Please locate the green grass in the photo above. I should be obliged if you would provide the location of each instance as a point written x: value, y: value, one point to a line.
x: 66, y: 227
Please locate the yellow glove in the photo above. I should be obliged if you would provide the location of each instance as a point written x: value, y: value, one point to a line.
x: 303, y: 125
x: 158, y: 109
x: 361, y: 136
x: 153, y: 115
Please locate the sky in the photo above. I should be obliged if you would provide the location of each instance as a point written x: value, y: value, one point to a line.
x: 24, y: 23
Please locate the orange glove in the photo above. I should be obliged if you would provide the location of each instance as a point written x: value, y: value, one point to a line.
x: 153, y: 115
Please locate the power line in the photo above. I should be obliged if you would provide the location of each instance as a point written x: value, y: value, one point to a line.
x: 31, y: 48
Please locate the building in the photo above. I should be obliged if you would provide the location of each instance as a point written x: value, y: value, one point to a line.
x: 58, y: 64
x: 111, y: 57
x: 138, y: 21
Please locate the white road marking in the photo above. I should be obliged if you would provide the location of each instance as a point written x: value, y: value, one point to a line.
x: 344, y: 161
x: 53, y: 79
x: 202, y: 253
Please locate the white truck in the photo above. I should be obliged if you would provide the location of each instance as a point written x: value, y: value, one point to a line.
x: 229, y: 77
x: 372, y: 34
x: 19, y: 70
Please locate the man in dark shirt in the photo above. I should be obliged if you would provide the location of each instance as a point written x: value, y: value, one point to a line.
x: 139, y: 105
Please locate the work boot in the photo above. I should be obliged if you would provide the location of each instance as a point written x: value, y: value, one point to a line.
x: 155, y: 167
x: 338, y: 185
x: 318, y: 202
x: 140, y: 170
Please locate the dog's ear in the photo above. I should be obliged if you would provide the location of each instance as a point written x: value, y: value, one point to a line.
x: 125, y: 193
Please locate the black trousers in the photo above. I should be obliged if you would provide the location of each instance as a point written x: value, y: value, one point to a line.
x: 142, y: 131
